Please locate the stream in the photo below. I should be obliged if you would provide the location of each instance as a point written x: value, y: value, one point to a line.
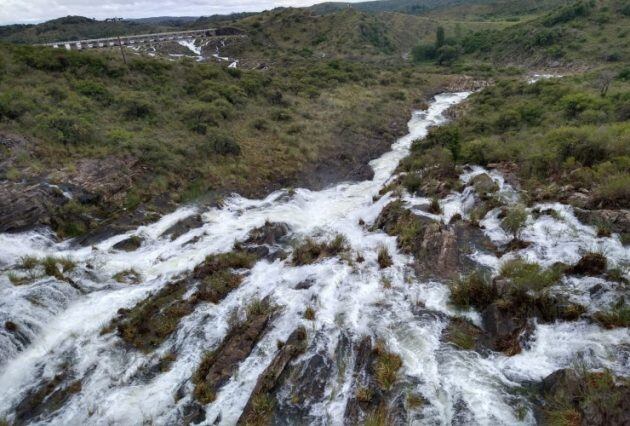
x: 59, y: 338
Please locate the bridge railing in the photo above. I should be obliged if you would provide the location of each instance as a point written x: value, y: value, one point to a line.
x: 130, y: 39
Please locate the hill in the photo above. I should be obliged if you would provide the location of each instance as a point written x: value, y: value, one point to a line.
x: 77, y: 28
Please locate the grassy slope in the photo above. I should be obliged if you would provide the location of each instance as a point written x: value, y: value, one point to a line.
x: 171, y: 116
x: 76, y: 28
x: 578, y: 35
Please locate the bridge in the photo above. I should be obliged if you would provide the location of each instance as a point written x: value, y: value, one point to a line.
x: 130, y: 40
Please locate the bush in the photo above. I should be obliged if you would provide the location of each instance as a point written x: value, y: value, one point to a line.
x: 384, y: 258
x: 527, y: 276
x: 93, y: 90
x: 223, y: 144
x: 69, y: 130
x: 514, y: 221
x: 473, y: 290
x: 136, y: 107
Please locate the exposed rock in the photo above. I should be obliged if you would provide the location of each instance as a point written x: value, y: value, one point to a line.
x: 439, y: 251
x: 23, y: 206
x: 218, y: 366
x: 592, y: 264
x: 503, y: 329
x: 577, y: 199
x: 586, y: 398
x: 183, y: 226
x: 269, y: 234
x: 509, y: 171
x: 132, y: 243
x: 484, y: 185
x: 10, y: 326
x: 268, y: 380
x: 45, y: 399
x: 617, y: 220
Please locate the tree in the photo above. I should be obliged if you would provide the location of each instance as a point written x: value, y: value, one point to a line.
x: 439, y: 37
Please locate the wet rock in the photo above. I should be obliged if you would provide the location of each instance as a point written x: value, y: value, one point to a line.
x: 484, y: 185
x: 463, y: 334
x: 218, y: 366
x: 23, y: 206
x: 591, y: 264
x: 586, y: 398
x: 183, y: 226
x: 132, y: 243
x: 268, y: 380
x: 45, y: 399
x: 439, y: 251
x: 617, y: 221
x: 269, y: 234
x: 503, y: 329
x: 304, y: 285
x: 10, y: 326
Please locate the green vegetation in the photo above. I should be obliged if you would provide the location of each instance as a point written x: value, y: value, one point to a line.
x: 183, y: 128
x: 474, y: 291
x: 311, y: 251
x: 559, y: 131
x: 386, y: 366
x: 617, y: 316
x: 526, y: 276
x: 581, y: 397
x: 384, y: 259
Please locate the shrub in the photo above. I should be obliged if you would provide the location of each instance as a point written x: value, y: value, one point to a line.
x: 93, y: 90
x: 223, y: 144
x: 136, y: 107
x: 514, y: 221
x: 69, y: 130
x: 473, y: 290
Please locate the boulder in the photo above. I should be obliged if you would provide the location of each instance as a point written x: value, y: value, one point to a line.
x: 132, y: 243
x: 484, y: 185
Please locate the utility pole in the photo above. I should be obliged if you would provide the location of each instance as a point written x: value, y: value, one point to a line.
x: 122, y: 51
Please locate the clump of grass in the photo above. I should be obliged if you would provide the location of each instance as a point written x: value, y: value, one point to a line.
x: 310, y: 251
x: 166, y: 361
x: 434, y: 207
x: 617, y: 316
x: 473, y: 290
x: 530, y: 276
x: 462, y: 334
x: 128, y: 276
x: 386, y: 367
x: 364, y: 394
x: 309, y: 313
x: 263, y: 405
x: 29, y: 262
x: 384, y: 259
x: 377, y: 418
x: 415, y: 400
x: 17, y: 279
x: 386, y: 282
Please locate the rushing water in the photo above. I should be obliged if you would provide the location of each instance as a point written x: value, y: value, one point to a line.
x: 63, y: 322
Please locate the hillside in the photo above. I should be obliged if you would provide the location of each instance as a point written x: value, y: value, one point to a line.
x: 78, y: 27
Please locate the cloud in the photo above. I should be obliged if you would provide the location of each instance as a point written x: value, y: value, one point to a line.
x: 31, y: 11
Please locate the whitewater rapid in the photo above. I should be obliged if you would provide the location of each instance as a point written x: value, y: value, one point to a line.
x: 461, y: 387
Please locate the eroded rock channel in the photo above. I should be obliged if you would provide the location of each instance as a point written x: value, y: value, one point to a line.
x: 361, y: 303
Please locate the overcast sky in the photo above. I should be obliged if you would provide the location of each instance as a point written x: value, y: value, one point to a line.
x: 32, y: 11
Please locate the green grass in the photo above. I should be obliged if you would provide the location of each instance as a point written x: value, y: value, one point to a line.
x: 473, y: 290
x: 525, y: 276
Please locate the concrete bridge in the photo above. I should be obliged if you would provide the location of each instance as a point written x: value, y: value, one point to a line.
x: 130, y: 40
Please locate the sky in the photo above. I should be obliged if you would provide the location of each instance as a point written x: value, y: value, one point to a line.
x: 33, y: 11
